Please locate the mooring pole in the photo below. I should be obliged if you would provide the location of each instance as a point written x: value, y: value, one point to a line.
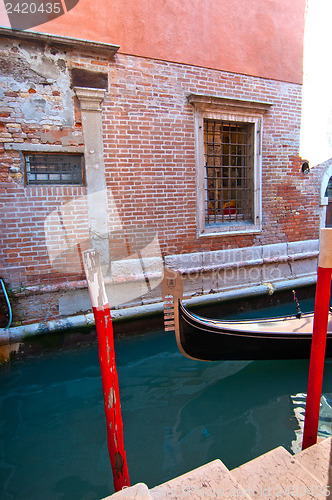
x: 318, y: 345
x: 104, y: 327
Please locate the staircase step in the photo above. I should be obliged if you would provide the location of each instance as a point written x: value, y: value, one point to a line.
x: 139, y: 491
x: 317, y: 460
x: 212, y: 480
x: 277, y: 474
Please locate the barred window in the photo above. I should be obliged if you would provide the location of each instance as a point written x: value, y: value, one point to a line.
x: 228, y: 140
x: 229, y: 165
x: 51, y: 168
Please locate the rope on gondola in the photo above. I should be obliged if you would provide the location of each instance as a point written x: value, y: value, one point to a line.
x: 299, y: 312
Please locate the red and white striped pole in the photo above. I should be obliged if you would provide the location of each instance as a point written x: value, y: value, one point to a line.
x: 109, y: 376
x: 318, y: 345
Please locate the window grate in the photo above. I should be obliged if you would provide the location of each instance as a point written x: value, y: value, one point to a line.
x: 229, y: 157
x: 54, y: 169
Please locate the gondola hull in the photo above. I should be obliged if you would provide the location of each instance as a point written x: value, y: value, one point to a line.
x: 206, y: 339
x: 201, y: 339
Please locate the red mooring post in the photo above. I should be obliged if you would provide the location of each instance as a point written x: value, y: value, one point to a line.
x: 109, y: 376
x: 317, y: 356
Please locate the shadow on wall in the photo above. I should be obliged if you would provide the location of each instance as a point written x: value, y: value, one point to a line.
x: 25, y: 15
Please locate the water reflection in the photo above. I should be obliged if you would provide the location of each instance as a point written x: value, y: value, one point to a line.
x: 178, y: 414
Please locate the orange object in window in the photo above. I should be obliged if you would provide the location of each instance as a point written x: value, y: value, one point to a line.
x: 229, y: 208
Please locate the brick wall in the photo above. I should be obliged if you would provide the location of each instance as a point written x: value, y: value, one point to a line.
x: 150, y: 156
x: 148, y: 133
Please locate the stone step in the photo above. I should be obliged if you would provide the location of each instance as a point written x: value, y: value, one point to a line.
x: 139, y: 491
x: 317, y: 460
x: 212, y: 480
x: 278, y: 474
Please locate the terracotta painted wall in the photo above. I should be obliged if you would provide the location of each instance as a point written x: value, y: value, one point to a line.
x: 254, y: 37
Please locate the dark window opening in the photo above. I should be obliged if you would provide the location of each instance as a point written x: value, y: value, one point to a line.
x: 63, y: 169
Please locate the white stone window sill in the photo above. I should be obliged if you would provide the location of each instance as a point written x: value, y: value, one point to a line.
x: 226, y: 229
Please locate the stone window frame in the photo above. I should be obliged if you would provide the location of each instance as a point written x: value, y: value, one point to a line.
x: 230, y: 110
x: 26, y: 148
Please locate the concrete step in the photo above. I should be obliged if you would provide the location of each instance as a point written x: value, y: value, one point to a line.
x: 317, y: 460
x: 278, y: 474
x: 139, y: 491
x: 212, y: 480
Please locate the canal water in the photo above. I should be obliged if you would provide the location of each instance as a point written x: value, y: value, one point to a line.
x: 178, y: 414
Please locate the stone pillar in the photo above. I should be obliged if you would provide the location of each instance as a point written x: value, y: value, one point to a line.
x: 91, y: 102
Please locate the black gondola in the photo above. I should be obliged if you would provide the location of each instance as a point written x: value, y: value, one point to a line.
x: 204, y: 339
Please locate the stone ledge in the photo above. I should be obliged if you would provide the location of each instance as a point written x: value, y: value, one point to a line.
x: 255, y: 255
x: 61, y: 41
x: 42, y: 148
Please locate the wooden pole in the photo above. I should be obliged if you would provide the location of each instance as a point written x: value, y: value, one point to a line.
x: 317, y: 356
x: 109, y: 376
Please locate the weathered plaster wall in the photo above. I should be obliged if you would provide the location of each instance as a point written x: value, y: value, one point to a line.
x: 256, y: 37
x: 38, y: 114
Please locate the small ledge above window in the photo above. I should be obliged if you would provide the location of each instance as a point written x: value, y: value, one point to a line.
x: 42, y: 148
x: 200, y: 101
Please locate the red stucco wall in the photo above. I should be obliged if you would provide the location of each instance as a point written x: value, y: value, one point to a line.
x: 254, y: 37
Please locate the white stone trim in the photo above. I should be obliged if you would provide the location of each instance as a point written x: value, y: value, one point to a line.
x: 90, y: 99
x: 91, y: 108
x: 323, y: 200
x: 239, y: 268
x: 325, y: 180
x: 246, y: 256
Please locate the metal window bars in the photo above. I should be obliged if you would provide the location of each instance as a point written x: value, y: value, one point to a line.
x: 228, y: 171
x: 41, y: 169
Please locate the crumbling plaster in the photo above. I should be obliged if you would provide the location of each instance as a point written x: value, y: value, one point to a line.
x: 40, y: 77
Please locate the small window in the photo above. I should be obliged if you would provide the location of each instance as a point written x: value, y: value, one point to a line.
x: 229, y: 161
x: 46, y: 169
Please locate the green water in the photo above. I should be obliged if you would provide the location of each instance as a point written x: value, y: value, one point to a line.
x: 178, y: 414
